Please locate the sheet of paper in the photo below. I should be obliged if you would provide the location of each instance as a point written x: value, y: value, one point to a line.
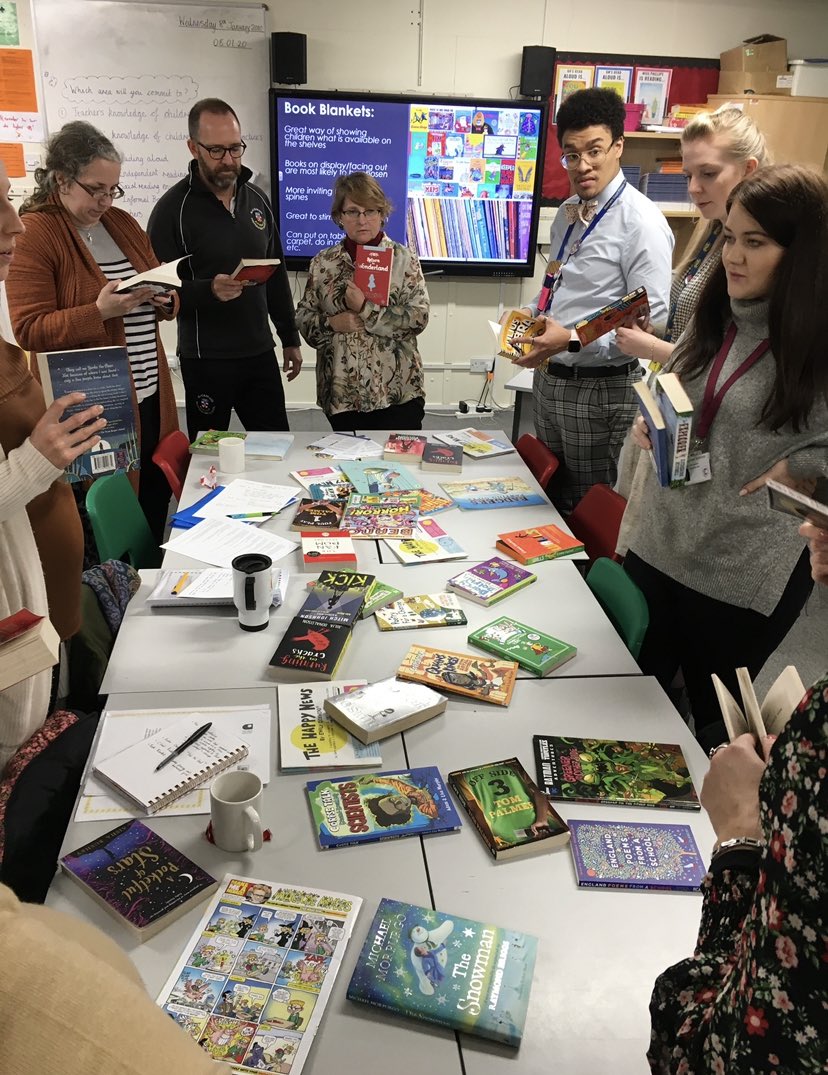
x: 241, y: 496
x: 123, y: 728
x: 218, y: 541
x: 341, y: 446
x: 11, y: 154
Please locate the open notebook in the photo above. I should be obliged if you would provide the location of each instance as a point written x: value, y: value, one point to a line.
x: 132, y: 771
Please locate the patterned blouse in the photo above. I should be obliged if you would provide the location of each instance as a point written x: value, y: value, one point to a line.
x: 753, y: 996
x: 379, y: 366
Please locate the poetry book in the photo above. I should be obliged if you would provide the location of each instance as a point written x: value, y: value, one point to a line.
x: 138, y: 878
x: 482, y: 493
x: 28, y: 644
x: 611, y: 854
x: 614, y: 772
x: 381, y: 709
x: 533, y: 650
x: 625, y: 311
x: 424, y: 610
x: 372, y: 272
x: 257, y: 973
x: 511, y: 813
x: 455, y: 972
x: 310, y: 739
x: 487, y: 679
x: 491, y: 581
x: 380, y: 806
x: 769, y: 718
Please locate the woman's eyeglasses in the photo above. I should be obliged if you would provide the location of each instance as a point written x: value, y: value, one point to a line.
x: 355, y: 214
x: 100, y: 193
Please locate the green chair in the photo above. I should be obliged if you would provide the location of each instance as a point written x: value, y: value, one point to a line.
x: 621, y: 599
x: 118, y: 523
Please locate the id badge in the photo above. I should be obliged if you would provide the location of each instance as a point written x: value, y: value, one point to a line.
x: 698, y: 468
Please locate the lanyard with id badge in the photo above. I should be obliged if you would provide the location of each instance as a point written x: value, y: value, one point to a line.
x: 698, y: 464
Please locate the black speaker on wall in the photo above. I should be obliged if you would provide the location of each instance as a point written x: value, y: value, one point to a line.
x: 289, y: 59
x: 537, y: 69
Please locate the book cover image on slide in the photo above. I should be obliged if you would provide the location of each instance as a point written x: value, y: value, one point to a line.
x: 103, y: 374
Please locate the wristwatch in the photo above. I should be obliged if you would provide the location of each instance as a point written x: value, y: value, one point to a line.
x: 743, y: 843
x: 574, y: 345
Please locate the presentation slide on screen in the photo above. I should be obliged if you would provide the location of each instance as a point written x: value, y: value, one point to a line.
x: 461, y: 179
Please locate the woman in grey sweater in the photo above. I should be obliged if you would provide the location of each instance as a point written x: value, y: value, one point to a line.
x: 724, y: 577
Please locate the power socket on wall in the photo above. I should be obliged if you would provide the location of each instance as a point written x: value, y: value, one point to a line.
x: 481, y: 365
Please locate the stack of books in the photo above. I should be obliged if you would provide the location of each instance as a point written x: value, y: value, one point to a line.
x: 668, y: 191
x: 537, y: 543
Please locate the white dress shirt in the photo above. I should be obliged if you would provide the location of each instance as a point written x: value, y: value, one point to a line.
x: 632, y: 246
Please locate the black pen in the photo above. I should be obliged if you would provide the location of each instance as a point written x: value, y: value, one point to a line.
x: 197, y: 734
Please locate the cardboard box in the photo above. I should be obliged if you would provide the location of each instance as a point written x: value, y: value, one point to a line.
x: 736, y: 83
x: 768, y: 56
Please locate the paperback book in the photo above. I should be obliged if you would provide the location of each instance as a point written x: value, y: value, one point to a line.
x: 512, y: 814
x: 476, y: 443
x: 491, y: 581
x: 310, y: 739
x: 310, y: 650
x: 538, y: 543
x: 28, y: 644
x: 262, y: 445
x: 533, y: 650
x: 625, y: 311
x: 337, y: 597
x: 517, y: 326
x: 372, y: 272
x: 460, y: 973
x: 318, y: 515
x: 404, y: 448
x: 432, y: 503
x: 444, y: 458
x: 385, y: 708
x: 137, y: 877
x: 611, y: 854
x: 429, y: 544
x: 487, y: 679
x: 161, y: 278
x: 331, y: 490
x: 482, y: 493
x: 333, y: 549
x: 656, y: 431
x: 769, y: 718
x: 614, y: 772
x: 424, y: 610
x: 380, y: 806
x: 255, y: 270
x: 373, y: 477
x: 258, y: 972
x: 383, y: 516
x: 677, y: 412
x: 380, y: 595
x: 792, y: 502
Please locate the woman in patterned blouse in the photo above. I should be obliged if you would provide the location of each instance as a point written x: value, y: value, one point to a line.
x: 369, y: 374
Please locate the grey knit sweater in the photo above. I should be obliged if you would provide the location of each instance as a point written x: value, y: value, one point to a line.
x: 706, y: 536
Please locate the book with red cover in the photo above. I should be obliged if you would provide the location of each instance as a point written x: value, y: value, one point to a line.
x: 407, y: 447
x: 537, y: 543
x: 623, y: 312
x: 332, y: 549
x: 372, y: 273
x: 256, y: 270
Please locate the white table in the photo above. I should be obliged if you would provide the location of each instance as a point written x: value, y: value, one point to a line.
x: 520, y: 384
x: 601, y: 949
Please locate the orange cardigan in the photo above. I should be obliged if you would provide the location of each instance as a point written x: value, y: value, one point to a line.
x: 54, y: 282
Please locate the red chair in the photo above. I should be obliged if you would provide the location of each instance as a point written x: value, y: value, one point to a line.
x: 541, y: 460
x: 596, y: 520
x: 172, y: 455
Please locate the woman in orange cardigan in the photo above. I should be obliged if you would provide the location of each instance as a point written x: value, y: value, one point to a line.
x: 61, y: 289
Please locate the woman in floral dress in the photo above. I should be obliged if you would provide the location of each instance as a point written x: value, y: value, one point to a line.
x: 369, y: 374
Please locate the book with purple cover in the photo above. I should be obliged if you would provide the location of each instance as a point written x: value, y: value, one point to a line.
x: 615, y: 854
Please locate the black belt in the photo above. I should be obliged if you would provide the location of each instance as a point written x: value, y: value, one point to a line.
x: 579, y: 373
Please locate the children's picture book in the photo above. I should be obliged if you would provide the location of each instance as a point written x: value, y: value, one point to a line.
x: 612, y: 854
x: 384, y: 708
x: 255, y: 270
x: 337, y: 597
x: 102, y: 373
x: 443, y: 458
x: 381, y: 516
x: 309, y: 650
x: 769, y: 718
x: 405, y: 448
x: 533, y: 650
x: 538, y: 543
x: 258, y: 972
x: 138, y: 878
x: 214, y: 586
x: 656, y: 431
x: 617, y: 79
x: 333, y: 549
x: 792, y: 502
x: 652, y: 89
x: 460, y: 973
x: 433, y: 503
x: 491, y: 581
x: 677, y: 411
x: 372, y: 273
x: 481, y: 493
x: 374, y: 477
x: 486, y: 679
x: 476, y: 443
x: 429, y: 544
x: 28, y: 644
x: 424, y: 610
x: 380, y: 806
x: 624, y: 311
x: 318, y: 515
x: 614, y: 772
x: 512, y: 814
x: 517, y: 326
x: 309, y: 739
x: 570, y: 78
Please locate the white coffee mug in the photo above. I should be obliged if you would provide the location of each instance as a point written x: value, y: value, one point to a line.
x: 235, y: 806
x: 253, y: 589
x: 231, y: 455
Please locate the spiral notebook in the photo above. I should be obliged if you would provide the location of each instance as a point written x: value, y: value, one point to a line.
x: 132, y: 771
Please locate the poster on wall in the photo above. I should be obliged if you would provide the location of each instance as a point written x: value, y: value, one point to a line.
x: 652, y: 89
x: 569, y: 79
x: 618, y: 79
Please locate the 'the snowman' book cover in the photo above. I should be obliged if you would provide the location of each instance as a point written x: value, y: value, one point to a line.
x: 468, y: 975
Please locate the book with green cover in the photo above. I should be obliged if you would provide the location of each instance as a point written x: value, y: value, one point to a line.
x: 532, y: 649
x: 424, y: 610
x: 461, y: 973
x: 378, y: 596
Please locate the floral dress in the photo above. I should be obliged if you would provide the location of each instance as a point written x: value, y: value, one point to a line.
x: 754, y: 995
x: 379, y: 366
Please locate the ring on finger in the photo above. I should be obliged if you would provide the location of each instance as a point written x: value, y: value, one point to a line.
x: 714, y: 750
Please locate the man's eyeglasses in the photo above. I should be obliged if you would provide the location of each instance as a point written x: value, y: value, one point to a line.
x: 217, y: 152
x: 355, y: 214
x: 99, y: 193
x: 595, y: 156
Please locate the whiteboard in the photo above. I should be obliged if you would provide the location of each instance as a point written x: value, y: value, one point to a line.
x: 134, y: 70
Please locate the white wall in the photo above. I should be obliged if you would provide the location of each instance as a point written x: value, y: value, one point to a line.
x: 473, y: 47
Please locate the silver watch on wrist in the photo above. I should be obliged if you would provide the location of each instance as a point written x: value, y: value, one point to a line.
x: 746, y: 843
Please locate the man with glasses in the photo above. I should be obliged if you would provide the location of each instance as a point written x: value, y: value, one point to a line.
x: 606, y: 240
x: 225, y: 344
